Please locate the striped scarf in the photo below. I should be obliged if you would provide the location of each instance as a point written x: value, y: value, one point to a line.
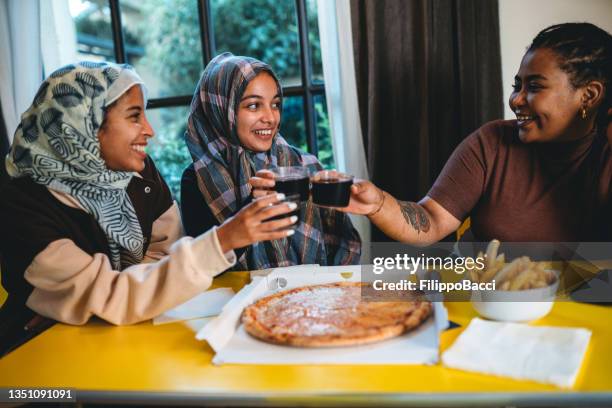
x: 223, y: 168
x: 56, y: 145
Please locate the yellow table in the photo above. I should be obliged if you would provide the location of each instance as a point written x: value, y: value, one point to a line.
x: 165, y: 364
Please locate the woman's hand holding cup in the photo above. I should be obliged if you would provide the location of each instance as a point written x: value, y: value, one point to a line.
x: 251, y: 224
x: 262, y: 183
x: 365, y: 199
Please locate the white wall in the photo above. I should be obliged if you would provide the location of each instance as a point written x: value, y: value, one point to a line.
x: 521, y: 20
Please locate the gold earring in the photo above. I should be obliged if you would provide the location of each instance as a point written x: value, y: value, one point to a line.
x: 584, y: 113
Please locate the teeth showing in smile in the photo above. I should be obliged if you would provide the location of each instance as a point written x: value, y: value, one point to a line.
x: 264, y: 132
x: 524, y: 117
x: 138, y: 148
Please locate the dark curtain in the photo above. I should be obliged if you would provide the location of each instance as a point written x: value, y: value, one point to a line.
x: 4, y: 146
x: 428, y: 74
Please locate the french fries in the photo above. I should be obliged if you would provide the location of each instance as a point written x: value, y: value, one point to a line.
x: 520, y: 274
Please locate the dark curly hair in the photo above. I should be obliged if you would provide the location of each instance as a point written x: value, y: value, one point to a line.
x: 584, y: 52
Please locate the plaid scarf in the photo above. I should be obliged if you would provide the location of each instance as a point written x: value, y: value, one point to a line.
x: 223, y: 168
x: 56, y: 145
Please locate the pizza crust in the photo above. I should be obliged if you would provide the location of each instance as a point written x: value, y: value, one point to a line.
x: 330, y: 315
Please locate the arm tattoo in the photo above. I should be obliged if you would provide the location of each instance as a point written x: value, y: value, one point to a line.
x: 415, y: 215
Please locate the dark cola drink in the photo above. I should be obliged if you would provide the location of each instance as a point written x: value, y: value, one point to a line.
x: 330, y: 188
x: 292, y: 180
x: 290, y: 186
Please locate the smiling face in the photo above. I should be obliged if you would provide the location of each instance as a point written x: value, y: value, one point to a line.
x: 258, y: 114
x: 545, y: 102
x: 125, y: 132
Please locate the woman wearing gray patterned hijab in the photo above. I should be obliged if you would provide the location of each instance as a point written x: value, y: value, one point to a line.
x: 56, y: 145
x: 89, y: 225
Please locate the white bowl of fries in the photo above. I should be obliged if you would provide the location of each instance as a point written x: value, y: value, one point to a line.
x: 524, y: 290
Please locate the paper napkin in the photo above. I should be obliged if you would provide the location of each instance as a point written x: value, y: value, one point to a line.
x: 209, y: 303
x: 545, y: 354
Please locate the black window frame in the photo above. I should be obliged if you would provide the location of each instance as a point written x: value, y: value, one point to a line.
x: 307, y: 90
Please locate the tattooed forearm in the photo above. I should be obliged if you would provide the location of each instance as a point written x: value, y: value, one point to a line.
x: 415, y: 215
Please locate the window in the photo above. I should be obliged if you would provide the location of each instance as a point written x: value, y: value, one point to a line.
x: 170, y: 41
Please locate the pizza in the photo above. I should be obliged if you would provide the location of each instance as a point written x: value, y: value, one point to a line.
x: 330, y: 315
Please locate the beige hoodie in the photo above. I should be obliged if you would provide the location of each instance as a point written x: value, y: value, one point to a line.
x: 71, y: 286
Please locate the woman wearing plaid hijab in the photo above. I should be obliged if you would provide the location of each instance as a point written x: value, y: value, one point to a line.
x: 232, y: 133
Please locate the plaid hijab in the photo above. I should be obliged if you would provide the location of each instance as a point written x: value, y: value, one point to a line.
x: 56, y: 145
x: 223, y: 167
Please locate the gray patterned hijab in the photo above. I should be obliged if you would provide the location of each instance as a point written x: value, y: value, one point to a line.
x: 56, y: 145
